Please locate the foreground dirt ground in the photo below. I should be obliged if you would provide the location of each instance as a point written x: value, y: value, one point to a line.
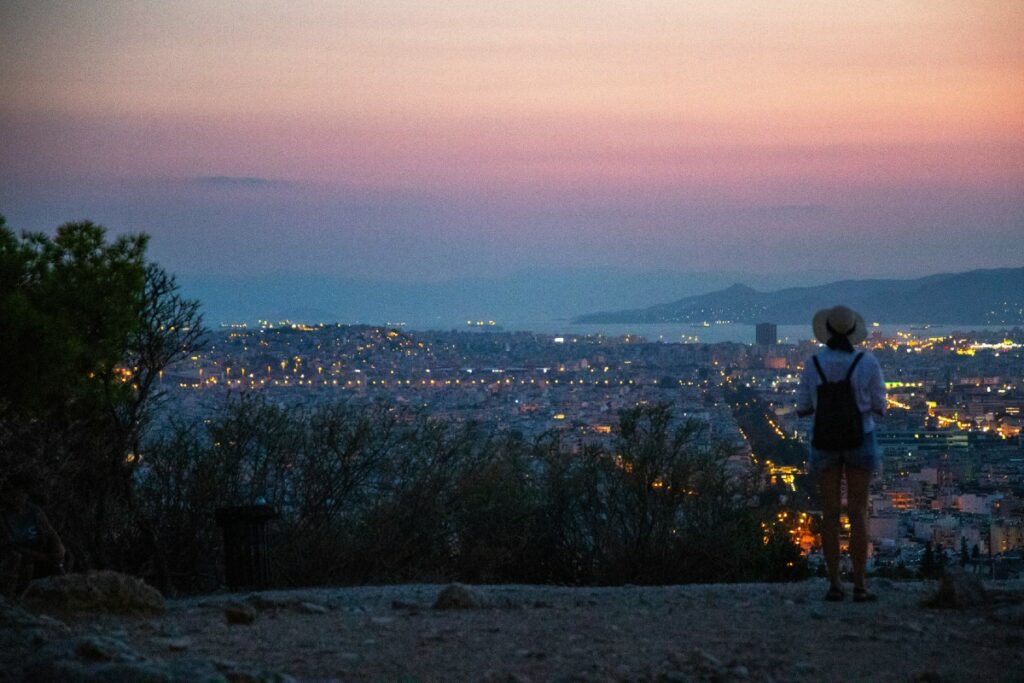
x: 763, y: 632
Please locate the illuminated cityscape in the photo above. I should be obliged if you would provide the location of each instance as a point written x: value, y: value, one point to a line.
x: 954, y: 463
x: 472, y: 341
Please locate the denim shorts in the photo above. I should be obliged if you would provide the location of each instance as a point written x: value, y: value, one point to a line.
x: 864, y: 457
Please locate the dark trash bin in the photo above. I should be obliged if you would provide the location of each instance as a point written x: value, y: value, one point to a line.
x: 246, y: 558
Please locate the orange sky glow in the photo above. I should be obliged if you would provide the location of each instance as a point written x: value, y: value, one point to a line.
x: 720, y: 100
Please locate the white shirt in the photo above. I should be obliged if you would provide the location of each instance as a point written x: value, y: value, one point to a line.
x: 868, y: 386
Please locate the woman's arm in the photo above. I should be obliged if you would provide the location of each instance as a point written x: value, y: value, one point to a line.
x: 876, y: 389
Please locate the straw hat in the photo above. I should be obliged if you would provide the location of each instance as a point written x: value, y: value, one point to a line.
x: 843, y: 321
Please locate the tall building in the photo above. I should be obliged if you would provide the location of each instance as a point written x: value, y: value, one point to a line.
x: 767, y: 334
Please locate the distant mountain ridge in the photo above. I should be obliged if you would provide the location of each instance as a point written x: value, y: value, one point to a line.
x: 977, y: 297
x: 526, y: 296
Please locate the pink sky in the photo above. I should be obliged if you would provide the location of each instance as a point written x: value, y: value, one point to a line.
x: 867, y: 109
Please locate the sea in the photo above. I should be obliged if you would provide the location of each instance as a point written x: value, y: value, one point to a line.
x: 697, y: 333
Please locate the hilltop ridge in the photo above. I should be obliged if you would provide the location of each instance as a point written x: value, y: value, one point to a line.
x: 978, y: 297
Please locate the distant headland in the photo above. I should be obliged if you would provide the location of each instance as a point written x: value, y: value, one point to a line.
x: 977, y: 297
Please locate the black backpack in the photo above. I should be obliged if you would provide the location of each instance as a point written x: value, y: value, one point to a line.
x: 838, y: 424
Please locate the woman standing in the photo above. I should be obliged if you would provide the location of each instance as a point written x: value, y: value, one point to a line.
x: 844, y: 390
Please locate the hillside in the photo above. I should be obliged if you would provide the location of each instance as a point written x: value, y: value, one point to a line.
x: 980, y: 297
x: 738, y: 632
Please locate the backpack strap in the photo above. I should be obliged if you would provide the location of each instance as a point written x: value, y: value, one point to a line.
x: 849, y: 373
x: 824, y: 379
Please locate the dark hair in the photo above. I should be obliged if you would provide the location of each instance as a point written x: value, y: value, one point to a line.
x: 838, y: 341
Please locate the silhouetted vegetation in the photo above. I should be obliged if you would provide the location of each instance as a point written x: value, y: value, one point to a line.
x: 87, y: 326
x: 365, y: 493
x: 379, y: 495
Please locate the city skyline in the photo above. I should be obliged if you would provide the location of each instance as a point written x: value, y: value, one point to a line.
x: 423, y: 143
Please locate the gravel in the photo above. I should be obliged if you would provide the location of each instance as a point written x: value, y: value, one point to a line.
x: 734, y: 632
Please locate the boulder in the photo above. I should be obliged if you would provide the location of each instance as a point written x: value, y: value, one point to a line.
x: 275, y: 603
x: 101, y: 659
x: 266, y: 602
x: 239, y: 612
x: 174, y: 644
x: 103, y: 649
x: 309, y: 608
x: 460, y: 596
x: 103, y: 591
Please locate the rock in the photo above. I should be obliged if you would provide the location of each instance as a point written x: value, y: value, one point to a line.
x: 239, y: 612
x: 310, y: 608
x: 958, y: 590
x: 47, y: 621
x: 740, y: 671
x: 101, y: 659
x: 460, y: 596
x: 272, y: 603
x: 103, y: 649
x: 103, y: 591
x: 98, y: 658
x: 266, y: 603
x: 174, y: 644
x: 125, y: 672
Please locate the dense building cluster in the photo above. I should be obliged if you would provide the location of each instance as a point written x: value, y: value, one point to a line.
x: 954, y: 464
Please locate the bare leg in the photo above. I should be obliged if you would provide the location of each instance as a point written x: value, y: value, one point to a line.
x: 829, y: 489
x: 857, y: 482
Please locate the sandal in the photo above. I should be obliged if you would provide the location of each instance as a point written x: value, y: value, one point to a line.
x: 863, y: 595
x: 835, y: 594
